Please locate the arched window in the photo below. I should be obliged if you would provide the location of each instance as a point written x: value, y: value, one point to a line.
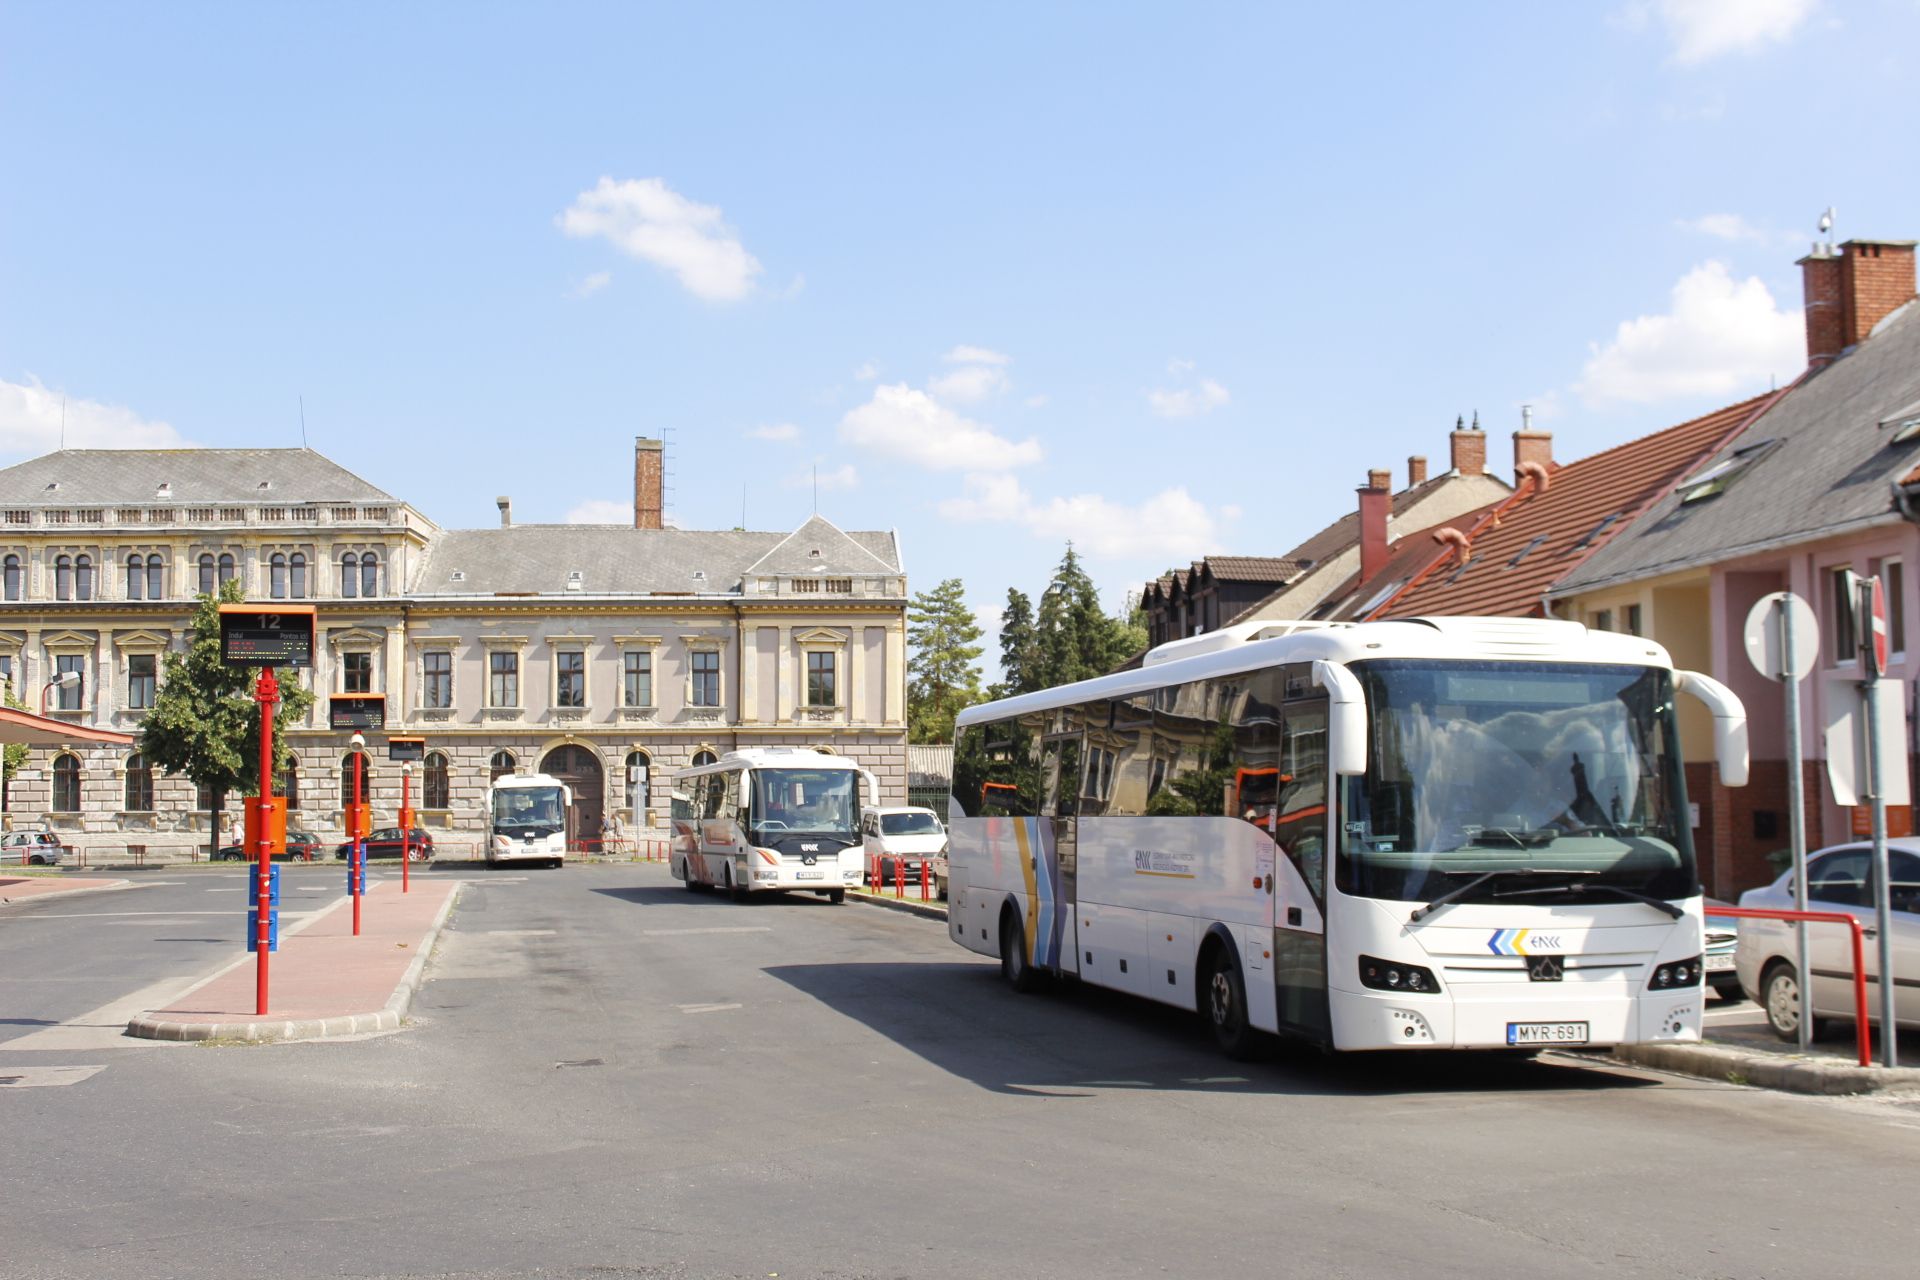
x: 704, y: 757
x: 434, y: 789
x: 277, y: 576
x: 228, y: 571
x: 298, y: 564
x: 349, y: 575
x: 136, y: 578
x: 207, y: 581
x: 501, y: 765
x: 139, y: 784
x: 288, y: 785
x: 83, y: 577
x: 66, y: 783
x: 369, y: 575
x: 13, y: 577
x: 63, y: 577
x: 639, y: 783
x: 156, y: 578
x: 346, y: 780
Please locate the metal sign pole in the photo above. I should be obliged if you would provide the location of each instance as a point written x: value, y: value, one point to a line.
x: 1796, y: 823
x: 1872, y: 657
x: 266, y: 693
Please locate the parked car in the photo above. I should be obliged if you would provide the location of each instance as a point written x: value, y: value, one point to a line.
x: 1723, y: 935
x: 302, y: 846
x: 385, y: 843
x: 904, y: 835
x: 1839, y: 878
x: 34, y: 848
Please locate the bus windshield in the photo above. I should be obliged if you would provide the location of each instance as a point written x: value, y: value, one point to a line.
x: 1523, y: 767
x: 804, y: 801
x: 909, y: 824
x: 535, y: 811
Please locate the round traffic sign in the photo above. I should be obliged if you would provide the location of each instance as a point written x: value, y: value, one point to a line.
x: 1768, y: 621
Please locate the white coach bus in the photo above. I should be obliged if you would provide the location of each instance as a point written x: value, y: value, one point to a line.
x: 1434, y: 833
x: 771, y: 818
x: 528, y: 815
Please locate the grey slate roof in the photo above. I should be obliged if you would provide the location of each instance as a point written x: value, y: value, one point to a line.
x: 535, y: 559
x: 1830, y: 469
x: 129, y: 477
x: 818, y: 546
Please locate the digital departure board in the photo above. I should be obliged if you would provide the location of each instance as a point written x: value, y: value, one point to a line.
x: 357, y: 711
x: 266, y: 635
x: 406, y: 749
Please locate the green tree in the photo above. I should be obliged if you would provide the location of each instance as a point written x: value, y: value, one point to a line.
x: 1076, y: 640
x: 942, y: 678
x: 204, y: 721
x: 1019, y: 647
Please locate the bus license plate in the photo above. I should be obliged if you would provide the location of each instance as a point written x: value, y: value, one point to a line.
x: 1546, y: 1033
x: 1716, y: 964
x: 809, y: 875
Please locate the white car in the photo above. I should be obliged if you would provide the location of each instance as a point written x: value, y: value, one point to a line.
x: 908, y: 837
x: 31, y: 848
x: 1839, y: 878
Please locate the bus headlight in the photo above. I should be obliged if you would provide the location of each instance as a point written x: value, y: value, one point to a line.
x: 1675, y: 973
x: 1393, y: 975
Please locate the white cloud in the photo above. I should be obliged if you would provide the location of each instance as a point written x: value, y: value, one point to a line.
x: 1170, y: 518
x: 1178, y: 367
x: 900, y: 422
x: 1722, y: 338
x: 1188, y: 402
x: 969, y: 383
x: 646, y: 219
x: 964, y: 354
x: 840, y: 477
x: 31, y: 413
x: 1737, y: 230
x: 1037, y: 401
x: 1702, y: 30
x: 593, y: 284
x: 867, y: 372
x: 781, y: 431
x: 600, y: 511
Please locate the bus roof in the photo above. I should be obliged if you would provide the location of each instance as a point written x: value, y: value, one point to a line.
x: 509, y: 781
x: 1251, y: 646
x: 773, y: 758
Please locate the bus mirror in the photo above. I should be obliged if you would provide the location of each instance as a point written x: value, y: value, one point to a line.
x: 1346, y: 717
x: 1729, y: 723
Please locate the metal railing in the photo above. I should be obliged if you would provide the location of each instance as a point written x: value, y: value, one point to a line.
x: 1863, y: 1034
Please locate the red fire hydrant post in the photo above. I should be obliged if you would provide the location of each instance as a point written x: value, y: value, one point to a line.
x: 266, y: 694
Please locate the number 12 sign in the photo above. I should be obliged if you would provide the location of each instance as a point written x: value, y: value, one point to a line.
x: 263, y: 635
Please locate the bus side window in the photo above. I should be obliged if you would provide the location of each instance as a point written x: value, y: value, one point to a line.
x: 1301, y: 828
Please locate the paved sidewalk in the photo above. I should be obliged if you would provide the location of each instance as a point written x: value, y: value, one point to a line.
x: 323, y: 982
x: 23, y: 888
x: 1740, y: 1048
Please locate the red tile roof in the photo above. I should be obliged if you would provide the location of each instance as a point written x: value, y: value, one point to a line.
x: 1542, y: 537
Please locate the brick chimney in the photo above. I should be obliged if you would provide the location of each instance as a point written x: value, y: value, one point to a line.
x: 1469, y: 448
x: 1416, y: 471
x: 1851, y: 290
x: 1376, y: 500
x: 1530, y: 445
x: 649, y: 481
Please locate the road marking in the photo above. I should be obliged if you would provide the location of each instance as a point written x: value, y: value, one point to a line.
x: 704, y: 1008
x: 517, y: 933
x: 109, y: 915
x: 682, y: 933
x: 44, y: 1077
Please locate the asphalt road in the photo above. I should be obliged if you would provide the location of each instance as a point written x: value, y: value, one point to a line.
x: 608, y: 1076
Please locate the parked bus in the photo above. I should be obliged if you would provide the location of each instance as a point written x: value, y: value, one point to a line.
x: 1432, y: 833
x: 771, y: 818
x: 529, y: 819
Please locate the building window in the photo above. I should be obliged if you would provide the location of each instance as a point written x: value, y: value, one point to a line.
x: 288, y: 785
x: 349, y: 575
x: 13, y: 577
x: 369, y: 575
x: 277, y: 576
x: 1893, y: 584
x: 140, y: 681
x: 66, y: 783
x: 6, y: 674
x: 503, y: 679
x: 703, y: 757
x: 1633, y: 620
x: 501, y: 765
x: 637, y: 690
x: 437, y: 685
x: 356, y: 671
x: 207, y: 582
x: 63, y: 577
x: 706, y: 678
x: 346, y: 779
x: 297, y: 566
x: 1603, y: 620
x: 203, y: 797
x: 1845, y: 609
x: 228, y: 569
x: 434, y: 789
x: 639, y: 784
x: 820, y: 683
x: 570, y: 678
x: 136, y: 578
x: 72, y: 696
x: 83, y: 577
x: 139, y: 784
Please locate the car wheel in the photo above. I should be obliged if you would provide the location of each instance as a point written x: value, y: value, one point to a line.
x: 836, y: 896
x: 36, y: 860
x: 1780, y: 998
x: 1013, y: 953
x: 1226, y: 1008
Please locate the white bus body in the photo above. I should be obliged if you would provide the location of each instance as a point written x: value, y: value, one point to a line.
x: 771, y: 818
x: 1434, y: 833
x: 528, y: 819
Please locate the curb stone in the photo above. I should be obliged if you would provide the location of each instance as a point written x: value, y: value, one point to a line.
x: 1770, y: 1071
x: 115, y: 887
x: 282, y: 1030
x: 931, y: 910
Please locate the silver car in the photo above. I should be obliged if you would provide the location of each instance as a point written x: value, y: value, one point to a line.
x: 1839, y: 878
x: 33, y: 848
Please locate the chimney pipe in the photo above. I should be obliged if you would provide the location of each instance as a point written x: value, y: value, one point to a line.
x: 649, y: 482
x: 1530, y: 445
x: 1375, y: 501
x: 1416, y: 471
x: 1852, y: 289
x: 506, y: 511
x: 1469, y: 449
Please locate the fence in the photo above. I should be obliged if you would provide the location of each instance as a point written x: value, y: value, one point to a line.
x: 1862, y: 1035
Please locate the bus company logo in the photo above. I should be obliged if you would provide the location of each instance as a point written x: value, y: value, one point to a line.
x: 809, y: 848
x: 1523, y: 942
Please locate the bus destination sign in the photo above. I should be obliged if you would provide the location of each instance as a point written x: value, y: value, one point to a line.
x: 266, y: 635
x: 357, y: 711
x: 406, y: 749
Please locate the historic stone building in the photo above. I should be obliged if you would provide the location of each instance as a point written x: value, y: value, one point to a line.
x: 608, y: 655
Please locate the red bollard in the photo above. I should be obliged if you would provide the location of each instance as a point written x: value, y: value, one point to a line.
x: 899, y: 878
x: 923, y: 879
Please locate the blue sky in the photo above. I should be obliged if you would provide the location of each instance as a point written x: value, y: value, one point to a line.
x: 1162, y: 279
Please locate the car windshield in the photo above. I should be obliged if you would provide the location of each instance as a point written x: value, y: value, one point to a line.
x: 909, y: 824
x: 1532, y: 768
x: 532, y: 810
x: 807, y: 801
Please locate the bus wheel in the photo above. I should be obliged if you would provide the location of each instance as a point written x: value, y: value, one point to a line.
x: 1013, y: 954
x: 693, y: 886
x: 1226, y: 1006
x: 738, y: 891
x: 836, y: 896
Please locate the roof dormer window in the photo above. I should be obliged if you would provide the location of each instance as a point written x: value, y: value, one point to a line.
x: 1714, y: 480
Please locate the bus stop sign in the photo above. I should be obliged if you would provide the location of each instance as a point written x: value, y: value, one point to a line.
x: 356, y: 711
x: 406, y: 749
x: 254, y: 635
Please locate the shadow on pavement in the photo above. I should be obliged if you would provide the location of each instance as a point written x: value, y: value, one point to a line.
x: 1073, y: 1039
x: 677, y: 893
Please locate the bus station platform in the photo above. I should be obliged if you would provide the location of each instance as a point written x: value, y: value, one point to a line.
x: 323, y: 982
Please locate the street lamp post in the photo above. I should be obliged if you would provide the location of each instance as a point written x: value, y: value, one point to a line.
x: 60, y: 681
x: 358, y: 875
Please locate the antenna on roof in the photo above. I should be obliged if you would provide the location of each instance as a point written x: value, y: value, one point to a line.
x: 303, y: 421
x: 1826, y: 229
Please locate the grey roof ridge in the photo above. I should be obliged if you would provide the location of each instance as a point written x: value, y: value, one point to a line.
x: 1560, y: 592
x: 796, y: 533
x: 371, y: 485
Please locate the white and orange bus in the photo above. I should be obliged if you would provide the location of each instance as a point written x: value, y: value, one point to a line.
x: 770, y: 819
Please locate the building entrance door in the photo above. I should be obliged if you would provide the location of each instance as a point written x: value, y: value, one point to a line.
x: 580, y: 769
